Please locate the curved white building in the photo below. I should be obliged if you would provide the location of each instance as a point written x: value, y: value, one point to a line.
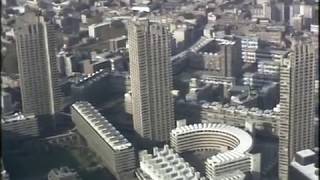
x: 233, y: 143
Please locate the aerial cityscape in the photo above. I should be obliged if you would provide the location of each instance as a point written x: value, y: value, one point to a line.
x: 160, y: 89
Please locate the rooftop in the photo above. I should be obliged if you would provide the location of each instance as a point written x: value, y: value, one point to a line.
x: 16, y: 117
x: 241, y: 109
x: 166, y: 164
x: 245, y: 140
x: 306, y: 153
x: 307, y: 170
x: 91, y: 77
x: 102, y: 126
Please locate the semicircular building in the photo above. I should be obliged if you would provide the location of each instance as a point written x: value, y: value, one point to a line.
x: 234, y: 145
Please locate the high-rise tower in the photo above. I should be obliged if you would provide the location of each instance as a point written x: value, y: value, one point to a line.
x: 151, y: 79
x: 36, y: 52
x: 297, y: 79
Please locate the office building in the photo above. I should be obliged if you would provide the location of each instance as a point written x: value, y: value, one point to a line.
x: 151, y: 79
x: 183, y: 36
x: 270, y: 36
x: 249, y: 45
x: 115, y: 151
x: 118, y: 43
x: 36, y: 53
x: 106, y: 30
x: 296, y: 127
x: 164, y: 164
x: 220, y: 57
x: 258, y: 80
x: 98, y: 30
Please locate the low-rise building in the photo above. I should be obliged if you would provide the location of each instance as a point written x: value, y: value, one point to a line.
x: 220, y: 57
x: 164, y: 164
x: 115, y: 151
x: 117, y: 43
x: 19, y: 126
x: 266, y: 121
x: 94, y: 87
x: 106, y: 30
x: 63, y: 173
x: 258, y: 80
x: 233, y: 146
x: 305, y: 165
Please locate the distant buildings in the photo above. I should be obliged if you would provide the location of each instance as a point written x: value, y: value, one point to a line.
x: 97, y: 86
x: 98, y: 30
x: 264, y: 121
x: 296, y: 126
x: 106, y: 60
x: 63, y: 173
x: 221, y: 57
x: 36, y: 53
x: 118, y: 43
x: 183, y: 36
x: 151, y: 79
x: 19, y: 127
x: 248, y: 46
x: 106, y: 30
x: 115, y: 151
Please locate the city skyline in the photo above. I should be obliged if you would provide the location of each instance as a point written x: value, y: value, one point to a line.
x: 160, y: 90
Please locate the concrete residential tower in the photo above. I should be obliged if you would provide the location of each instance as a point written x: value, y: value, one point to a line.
x: 36, y: 53
x: 151, y: 79
x: 297, y: 90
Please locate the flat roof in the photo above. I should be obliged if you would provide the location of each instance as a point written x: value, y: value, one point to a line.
x: 306, y: 153
x: 240, y: 109
x: 102, y: 126
x: 16, y: 117
x: 164, y: 163
x: 307, y: 170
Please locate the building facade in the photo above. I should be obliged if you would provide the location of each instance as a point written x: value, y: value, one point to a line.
x: 266, y: 121
x: 115, y: 151
x: 19, y: 126
x: 6, y: 103
x: 296, y: 125
x: 36, y: 53
x: 151, y: 79
x: 249, y: 45
x: 233, y: 145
